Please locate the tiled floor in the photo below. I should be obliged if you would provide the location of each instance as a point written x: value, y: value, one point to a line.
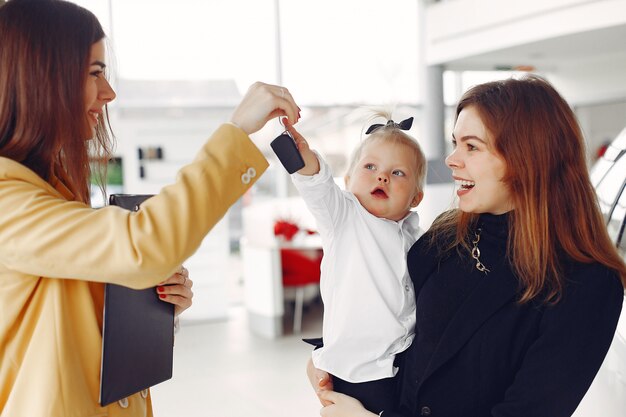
x: 221, y: 369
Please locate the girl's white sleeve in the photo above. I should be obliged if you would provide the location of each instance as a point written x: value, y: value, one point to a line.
x: 326, y: 201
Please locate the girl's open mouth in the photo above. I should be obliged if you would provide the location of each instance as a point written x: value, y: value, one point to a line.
x: 379, y: 193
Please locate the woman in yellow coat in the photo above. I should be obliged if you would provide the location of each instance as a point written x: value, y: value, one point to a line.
x: 56, y: 252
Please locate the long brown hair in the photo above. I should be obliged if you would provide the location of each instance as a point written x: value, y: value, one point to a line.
x: 44, y: 61
x: 556, y: 210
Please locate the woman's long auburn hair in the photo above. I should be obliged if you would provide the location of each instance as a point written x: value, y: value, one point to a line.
x: 44, y: 62
x: 556, y: 213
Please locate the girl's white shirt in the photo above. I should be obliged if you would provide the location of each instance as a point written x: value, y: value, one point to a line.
x: 369, y: 302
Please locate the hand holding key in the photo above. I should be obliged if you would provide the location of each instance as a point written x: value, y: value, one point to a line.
x: 287, y: 152
x: 311, y: 164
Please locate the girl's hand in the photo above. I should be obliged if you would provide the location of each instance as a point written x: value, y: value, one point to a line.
x: 320, y: 380
x: 177, y: 290
x: 262, y: 103
x: 342, y: 405
x: 311, y: 163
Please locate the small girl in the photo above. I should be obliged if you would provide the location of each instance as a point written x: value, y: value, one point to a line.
x: 369, y: 304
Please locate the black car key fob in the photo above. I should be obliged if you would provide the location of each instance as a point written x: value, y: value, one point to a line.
x: 287, y: 152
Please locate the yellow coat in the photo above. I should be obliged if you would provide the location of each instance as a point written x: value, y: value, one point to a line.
x: 56, y: 254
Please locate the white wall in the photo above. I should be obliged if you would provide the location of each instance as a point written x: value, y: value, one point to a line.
x: 586, y: 81
x: 180, y: 133
x: 457, y: 29
x: 601, y: 123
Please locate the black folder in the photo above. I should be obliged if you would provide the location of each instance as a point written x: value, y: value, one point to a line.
x: 137, y: 334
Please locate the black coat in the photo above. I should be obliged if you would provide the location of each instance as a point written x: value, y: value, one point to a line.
x: 502, y: 359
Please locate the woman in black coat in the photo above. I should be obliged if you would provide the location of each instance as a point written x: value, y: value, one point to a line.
x: 520, y: 289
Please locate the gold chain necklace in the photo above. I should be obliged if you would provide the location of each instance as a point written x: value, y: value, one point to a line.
x: 476, y: 253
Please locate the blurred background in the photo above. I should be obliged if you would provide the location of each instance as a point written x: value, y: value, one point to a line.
x: 179, y: 69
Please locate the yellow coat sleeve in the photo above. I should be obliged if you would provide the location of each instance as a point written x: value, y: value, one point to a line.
x: 43, y: 234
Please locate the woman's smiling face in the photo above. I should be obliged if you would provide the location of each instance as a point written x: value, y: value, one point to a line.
x: 476, y: 168
x: 98, y: 91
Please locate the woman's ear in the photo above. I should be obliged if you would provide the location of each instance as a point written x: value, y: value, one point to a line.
x: 417, y: 199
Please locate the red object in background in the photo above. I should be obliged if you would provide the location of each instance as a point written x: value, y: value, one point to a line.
x: 285, y: 229
x: 289, y: 229
x: 602, y: 150
x: 299, y: 269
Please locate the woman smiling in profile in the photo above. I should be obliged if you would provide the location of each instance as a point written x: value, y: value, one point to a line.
x: 56, y: 251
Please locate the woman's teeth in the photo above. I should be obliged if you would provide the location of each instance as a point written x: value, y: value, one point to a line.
x: 466, y: 185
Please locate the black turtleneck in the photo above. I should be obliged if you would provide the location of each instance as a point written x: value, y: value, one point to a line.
x: 448, y: 285
x: 478, y: 352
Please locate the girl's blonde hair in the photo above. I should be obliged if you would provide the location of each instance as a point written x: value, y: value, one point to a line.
x: 391, y: 133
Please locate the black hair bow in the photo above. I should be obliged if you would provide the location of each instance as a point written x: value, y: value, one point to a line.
x: 403, y: 125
